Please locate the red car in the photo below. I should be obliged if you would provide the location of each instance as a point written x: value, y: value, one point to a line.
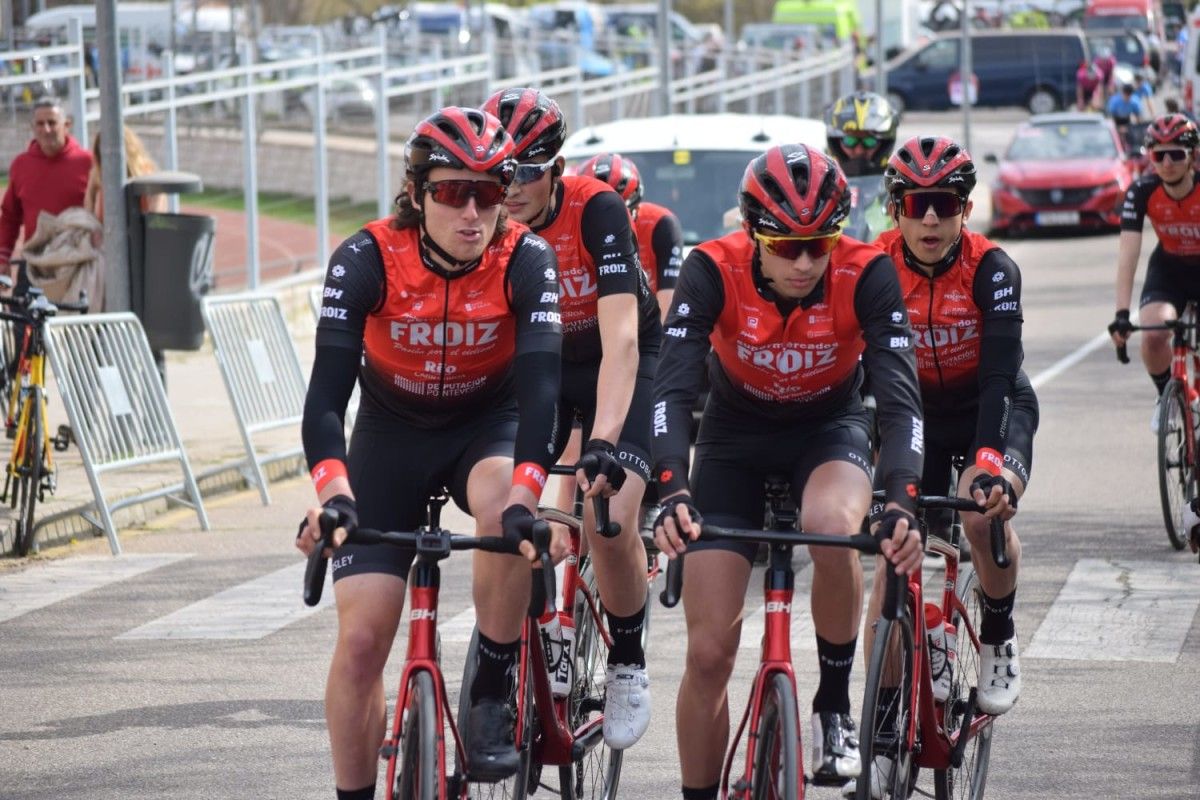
x: 1067, y: 170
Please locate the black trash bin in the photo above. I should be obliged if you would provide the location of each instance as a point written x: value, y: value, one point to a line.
x: 170, y: 263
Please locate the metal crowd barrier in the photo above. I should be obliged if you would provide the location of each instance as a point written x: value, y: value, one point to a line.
x: 117, y: 408
x: 262, y: 372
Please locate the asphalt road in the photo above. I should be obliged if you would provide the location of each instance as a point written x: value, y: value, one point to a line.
x: 102, y: 696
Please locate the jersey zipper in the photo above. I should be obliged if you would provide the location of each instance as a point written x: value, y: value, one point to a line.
x: 937, y: 363
x: 445, y: 337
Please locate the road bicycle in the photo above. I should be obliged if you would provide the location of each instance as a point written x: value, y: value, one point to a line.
x: 31, y: 471
x: 903, y: 725
x: 1178, y: 421
x: 563, y: 731
x: 423, y: 725
x: 773, y: 768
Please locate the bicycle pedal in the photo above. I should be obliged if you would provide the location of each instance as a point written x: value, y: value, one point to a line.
x: 387, y: 751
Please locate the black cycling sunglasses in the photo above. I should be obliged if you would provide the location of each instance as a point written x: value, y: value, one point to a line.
x: 944, y: 204
x: 530, y: 173
x: 1174, y: 153
x: 457, y: 194
x: 866, y: 141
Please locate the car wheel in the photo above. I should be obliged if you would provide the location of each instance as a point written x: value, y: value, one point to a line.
x: 896, y: 101
x: 1042, y: 101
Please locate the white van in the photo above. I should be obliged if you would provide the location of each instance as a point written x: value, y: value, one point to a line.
x: 693, y: 164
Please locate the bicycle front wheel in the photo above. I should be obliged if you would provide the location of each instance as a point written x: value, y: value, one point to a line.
x: 417, y: 775
x: 596, y: 775
x: 517, y: 787
x: 777, y: 744
x: 1176, y: 476
x: 969, y: 779
x: 30, y: 477
x: 887, y: 754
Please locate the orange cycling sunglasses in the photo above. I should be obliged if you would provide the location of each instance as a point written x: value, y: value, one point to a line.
x: 792, y: 247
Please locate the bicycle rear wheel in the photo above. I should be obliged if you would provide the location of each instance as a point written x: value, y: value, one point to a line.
x: 776, y: 773
x: 517, y: 787
x: 970, y: 778
x: 30, y: 477
x: 1176, y: 474
x: 598, y: 773
x: 417, y: 775
x: 888, y: 768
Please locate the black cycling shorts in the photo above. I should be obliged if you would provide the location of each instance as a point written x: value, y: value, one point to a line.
x: 1171, y: 279
x: 395, y: 467
x: 734, y: 456
x: 577, y: 402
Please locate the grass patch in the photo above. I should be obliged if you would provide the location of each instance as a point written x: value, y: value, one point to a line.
x: 345, y: 217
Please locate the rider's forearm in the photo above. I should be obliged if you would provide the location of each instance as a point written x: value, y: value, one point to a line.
x: 614, y: 386
x: 1128, y: 249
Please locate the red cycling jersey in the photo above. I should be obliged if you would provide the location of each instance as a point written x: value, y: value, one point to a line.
x: 1175, y: 222
x: 661, y: 273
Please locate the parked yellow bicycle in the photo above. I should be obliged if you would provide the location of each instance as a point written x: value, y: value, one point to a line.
x: 31, y: 469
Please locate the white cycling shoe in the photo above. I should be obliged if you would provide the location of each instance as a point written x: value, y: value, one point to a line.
x: 999, y: 677
x: 626, y: 705
x: 881, y: 776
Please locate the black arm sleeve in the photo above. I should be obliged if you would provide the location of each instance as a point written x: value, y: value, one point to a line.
x: 695, y: 307
x: 997, y: 294
x: 354, y: 287
x: 893, y: 368
x: 608, y: 238
x: 667, y: 242
x: 533, y: 297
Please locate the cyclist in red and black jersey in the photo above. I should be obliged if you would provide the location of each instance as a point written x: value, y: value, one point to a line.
x: 657, y: 230
x: 788, y: 306
x: 963, y: 295
x: 1170, y: 199
x: 447, y: 314
x: 611, y: 336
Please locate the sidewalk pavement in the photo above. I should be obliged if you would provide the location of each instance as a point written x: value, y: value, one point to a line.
x: 202, y: 411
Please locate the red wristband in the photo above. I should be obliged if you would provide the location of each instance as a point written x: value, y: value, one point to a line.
x: 326, y: 471
x: 531, y: 476
x: 989, y: 460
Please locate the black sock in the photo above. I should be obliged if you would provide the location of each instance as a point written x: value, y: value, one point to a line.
x: 365, y: 793
x: 996, y: 627
x: 495, y: 661
x: 1161, y: 380
x: 627, y: 639
x: 836, y: 660
x: 704, y: 793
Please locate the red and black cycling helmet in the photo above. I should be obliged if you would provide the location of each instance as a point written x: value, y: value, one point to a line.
x: 928, y: 162
x: 618, y: 172
x: 1172, y: 129
x: 534, y: 121
x: 460, y: 138
x: 794, y: 190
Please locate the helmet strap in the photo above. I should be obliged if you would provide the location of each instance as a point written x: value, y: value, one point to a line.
x: 941, y: 266
x: 457, y: 267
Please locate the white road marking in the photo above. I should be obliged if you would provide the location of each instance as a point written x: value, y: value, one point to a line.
x: 1120, y: 611
x: 45, y: 584
x: 458, y: 628
x: 1070, y: 360
x: 250, y: 610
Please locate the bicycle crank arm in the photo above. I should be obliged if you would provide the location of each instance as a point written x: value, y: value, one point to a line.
x: 584, y: 744
x: 964, y: 731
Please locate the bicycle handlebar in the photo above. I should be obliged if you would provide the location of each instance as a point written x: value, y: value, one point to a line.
x: 604, y: 526
x: 1168, y: 325
x: 436, y: 542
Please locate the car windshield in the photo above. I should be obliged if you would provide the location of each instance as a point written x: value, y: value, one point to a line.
x: 1062, y: 142
x: 698, y: 185
x: 1116, y: 22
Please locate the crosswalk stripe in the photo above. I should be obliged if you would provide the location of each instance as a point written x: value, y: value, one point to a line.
x: 1120, y: 611
x: 45, y: 584
x: 250, y: 610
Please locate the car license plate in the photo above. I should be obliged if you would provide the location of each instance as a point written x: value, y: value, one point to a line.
x: 1058, y: 218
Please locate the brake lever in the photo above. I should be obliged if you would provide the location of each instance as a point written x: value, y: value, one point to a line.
x: 314, y: 572
x: 541, y: 542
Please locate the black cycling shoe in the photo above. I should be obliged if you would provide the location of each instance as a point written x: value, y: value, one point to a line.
x: 491, y: 752
x: 835, y: 749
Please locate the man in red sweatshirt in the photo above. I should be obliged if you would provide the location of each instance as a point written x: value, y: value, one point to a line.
x: 50, y: 176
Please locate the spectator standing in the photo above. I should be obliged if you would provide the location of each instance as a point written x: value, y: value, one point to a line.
x: 137, y: 162
x: 50, y: 176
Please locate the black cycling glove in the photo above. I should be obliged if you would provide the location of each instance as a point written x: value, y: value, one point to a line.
x: 888, y: 521
x: 670, y: 509
x: 599, y: 458
x: 346, y: 510
x: 1121, y: 323
x: 985, y: 483
x: 516, y: 522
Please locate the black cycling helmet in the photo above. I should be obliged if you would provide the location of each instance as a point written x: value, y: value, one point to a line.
x: 794, y: 190
x: 857, y: 115
x: 1172, y: 129
x: 460, y: 138
x: 927, y: 162
x: 532, y: 118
